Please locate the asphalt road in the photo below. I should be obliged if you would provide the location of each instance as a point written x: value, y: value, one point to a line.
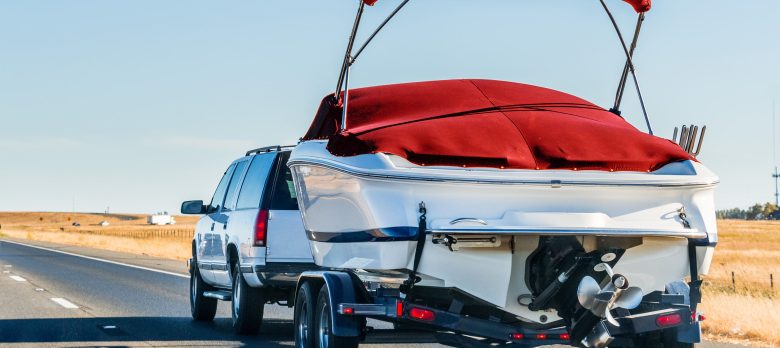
x: 50, y: 299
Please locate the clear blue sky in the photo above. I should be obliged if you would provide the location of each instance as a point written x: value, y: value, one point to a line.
x: 138, y: 105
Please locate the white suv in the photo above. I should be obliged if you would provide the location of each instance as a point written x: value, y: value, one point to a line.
x: 250, y: 245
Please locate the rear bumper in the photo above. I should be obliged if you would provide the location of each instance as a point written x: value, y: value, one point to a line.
x: 275, y: 274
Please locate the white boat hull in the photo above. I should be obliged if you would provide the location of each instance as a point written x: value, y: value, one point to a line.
x: 361, y: 212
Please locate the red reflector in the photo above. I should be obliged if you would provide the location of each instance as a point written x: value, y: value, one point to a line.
x: 565, y: 336
x: 516, y: 336
x: 422, y: 314
x: 399, y: 309
x: 348, y: 310
x: 261, y: 227
x: 541, y: 336
x: 695, y: 316
x: 668, y: 320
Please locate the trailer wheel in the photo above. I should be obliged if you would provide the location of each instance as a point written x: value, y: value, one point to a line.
x: 201, y: 307
x: 324, y: 335
x: 304, y: 316
x: 247, y: 306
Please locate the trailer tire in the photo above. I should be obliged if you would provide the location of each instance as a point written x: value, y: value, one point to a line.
x: 304, y: 316
x: 201, y: 307
x: 324, y: 336
x: 247, y: 305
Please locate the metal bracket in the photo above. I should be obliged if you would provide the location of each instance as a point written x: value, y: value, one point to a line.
x: 683, y: 217
x: 408, y: 284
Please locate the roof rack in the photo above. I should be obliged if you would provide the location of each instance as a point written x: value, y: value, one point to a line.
x: 269, y: 149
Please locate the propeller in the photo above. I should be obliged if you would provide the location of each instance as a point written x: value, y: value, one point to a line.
x: 629, y: 298
x: 615, y: 294
x: 587, y: 291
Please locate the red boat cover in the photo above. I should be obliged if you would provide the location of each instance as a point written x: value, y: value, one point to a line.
x: 486, y: 123
x: 640, y: 5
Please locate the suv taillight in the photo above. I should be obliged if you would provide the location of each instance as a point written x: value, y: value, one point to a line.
x: 261, y: 227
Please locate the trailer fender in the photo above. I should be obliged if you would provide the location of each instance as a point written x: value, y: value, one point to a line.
x: 341, y: 288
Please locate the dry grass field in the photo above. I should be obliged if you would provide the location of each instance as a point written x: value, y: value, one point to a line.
x: 125, y: 232
x: 745, y: 311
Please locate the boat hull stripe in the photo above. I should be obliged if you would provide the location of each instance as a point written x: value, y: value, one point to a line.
x: 386, y: 234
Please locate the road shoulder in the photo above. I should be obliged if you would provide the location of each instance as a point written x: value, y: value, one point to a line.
x: 143, y: 261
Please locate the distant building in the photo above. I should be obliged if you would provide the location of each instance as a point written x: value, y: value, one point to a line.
x: 162, y: 218
x: 104, y: 223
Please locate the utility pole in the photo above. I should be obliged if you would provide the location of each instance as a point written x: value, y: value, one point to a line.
x: 777, y: 195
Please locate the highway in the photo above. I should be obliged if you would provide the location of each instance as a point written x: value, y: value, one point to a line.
x: 64, y: 296
x: 52, y: 299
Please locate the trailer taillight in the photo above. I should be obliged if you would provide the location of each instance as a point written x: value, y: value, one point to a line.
x: 261, y: 227
x: 422, y: 314
x: 516, y: 336
x: 399, y: 309
x: 668, y: 320
x: 347, y: 311
x: 541, y: 336
x: 564, y: 336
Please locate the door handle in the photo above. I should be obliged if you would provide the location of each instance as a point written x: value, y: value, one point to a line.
x: 224, y: 226
x: 212, y: 226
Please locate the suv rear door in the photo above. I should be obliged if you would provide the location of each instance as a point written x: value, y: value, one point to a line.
x: 287, y: 241
x: 209, y: 242
x: 220, y: 267
x: 243, y: 219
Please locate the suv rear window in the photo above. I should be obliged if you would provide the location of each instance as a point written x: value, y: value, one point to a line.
x: 233, y: 187
x: 254, y: 182
x: 284, y: 197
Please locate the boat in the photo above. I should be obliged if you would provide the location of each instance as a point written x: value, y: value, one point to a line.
x: 519, y: 197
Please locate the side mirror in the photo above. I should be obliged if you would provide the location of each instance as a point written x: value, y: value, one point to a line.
x: 193, y: 207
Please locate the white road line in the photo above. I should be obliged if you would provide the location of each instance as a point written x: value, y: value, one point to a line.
x: 17, y: 278
x: 101, y: 260
x: 63, y: 302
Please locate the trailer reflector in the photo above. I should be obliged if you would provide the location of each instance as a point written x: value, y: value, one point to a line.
x: 347, y: 311
x: 399, y: 309
x: 668, y: 320
x: 422, y: 314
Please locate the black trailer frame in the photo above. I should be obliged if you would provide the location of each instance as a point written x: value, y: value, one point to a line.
x: 351, y: 303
